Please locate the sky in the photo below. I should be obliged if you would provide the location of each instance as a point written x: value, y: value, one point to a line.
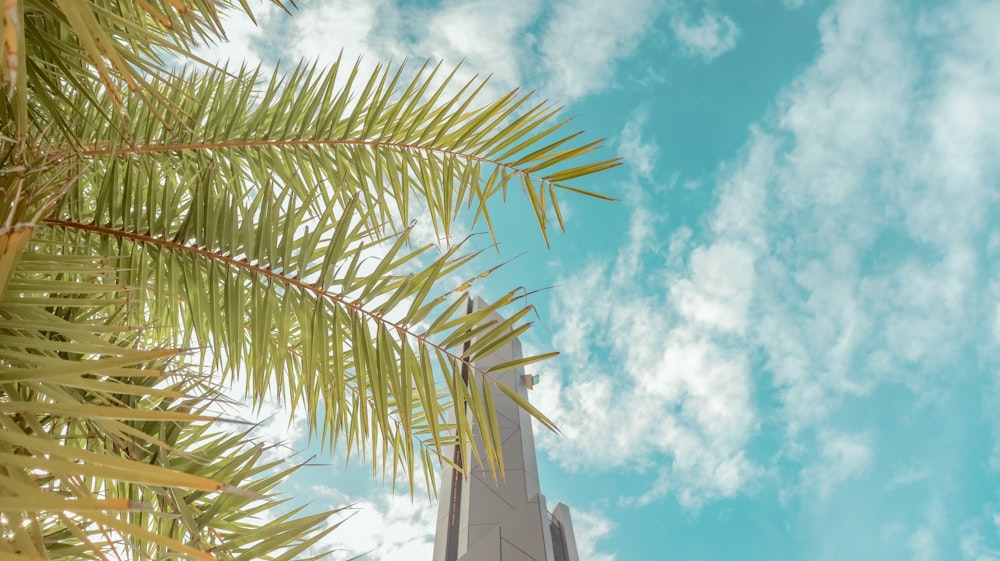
x: 783, y: 341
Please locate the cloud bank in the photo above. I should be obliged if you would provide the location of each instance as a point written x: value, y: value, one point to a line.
x: 849, y: 252
x: 567, y: 49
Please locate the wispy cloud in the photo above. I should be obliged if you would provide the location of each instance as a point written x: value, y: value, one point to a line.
x: 392, y: 527
x: 706, y: 37
x: 639, y: 152
x: 494, y: 36
x: 384, y: 524
x: 906, y: 476
x: 842, y: 457
x: 682, y: 383
x: 583, y: 40
x: 846, y: 253
x: 567, y: 49
x: 245, y: 42
x: 973, y: 543
x: 590, y: 528
x: 360, y: 28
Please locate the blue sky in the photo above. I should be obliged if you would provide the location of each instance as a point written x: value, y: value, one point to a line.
x: 782, y: 342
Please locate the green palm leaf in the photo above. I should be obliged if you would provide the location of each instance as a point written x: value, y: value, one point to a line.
x: 389, y: 144
x: 93, y: 444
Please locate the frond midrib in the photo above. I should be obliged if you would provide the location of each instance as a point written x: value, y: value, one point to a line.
x: 104, y: 149
x: 289, y: 280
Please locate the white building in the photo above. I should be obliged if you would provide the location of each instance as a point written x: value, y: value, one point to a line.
x: 480, y: 519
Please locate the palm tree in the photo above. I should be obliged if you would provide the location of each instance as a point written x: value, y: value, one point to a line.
x: 171, y: 231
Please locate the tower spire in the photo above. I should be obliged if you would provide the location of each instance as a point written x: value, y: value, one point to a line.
x: 480, y: 519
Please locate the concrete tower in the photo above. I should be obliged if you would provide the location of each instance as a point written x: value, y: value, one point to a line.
x: 480, y: 519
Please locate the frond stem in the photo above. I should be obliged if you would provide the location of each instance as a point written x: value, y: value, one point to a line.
x: 293, y: 281
x: 99, y: 150
x: 316, y: 290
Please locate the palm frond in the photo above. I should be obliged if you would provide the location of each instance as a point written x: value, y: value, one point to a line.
x: 168, y: 229
x: 98, y: 456
x: 329, y: 337
x: 86, y: 46
x: 388, y: 143
x: 264, y: 229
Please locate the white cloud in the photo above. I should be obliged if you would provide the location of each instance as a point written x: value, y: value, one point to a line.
x: 487, y: 36
x: 638, y: 152
x: 590, y: 528
x: 360, y: 29
x: 717, y: 293
x: 708, y: 37
x: 973, y: 549
x: 575, y: 54
x: 676, y: 369
x: 281, y: 432
x: 391, y: 528
x: 395, y: 527
x: 842, y: 457
x: 865, y: 172
x: 978, y: 537
x: 845, y: 252
x: 922, y: 545
x: 583, y: 40
x: 904, y: 477
x: 244, y: 40
x: 689, y: 408
x: 391, y: 525
x: 492, y: 35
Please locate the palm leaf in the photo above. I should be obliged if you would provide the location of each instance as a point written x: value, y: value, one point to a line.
x: 87, y: 457
x: 388, y: 144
